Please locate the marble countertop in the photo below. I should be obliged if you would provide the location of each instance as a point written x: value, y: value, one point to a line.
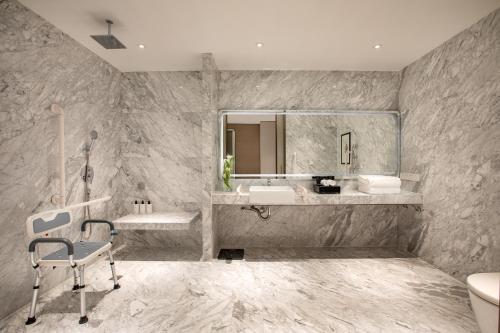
x: 346, y: 197
x: 156, y: 221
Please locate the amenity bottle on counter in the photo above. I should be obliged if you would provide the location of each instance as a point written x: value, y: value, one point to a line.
x: 149, y: 207
x: 136, y: 207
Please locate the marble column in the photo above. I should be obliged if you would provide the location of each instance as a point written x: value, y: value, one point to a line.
x: 210, y: 83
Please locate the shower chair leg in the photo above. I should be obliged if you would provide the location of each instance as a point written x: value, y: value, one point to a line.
x: 36, y: 288
x: 83, y: 304
x: 76, y: 283
x: 113, y: 270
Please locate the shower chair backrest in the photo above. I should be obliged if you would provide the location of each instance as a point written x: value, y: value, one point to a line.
x: 40, y: 224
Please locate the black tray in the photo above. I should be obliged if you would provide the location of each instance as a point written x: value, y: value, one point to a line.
x: 322, y: 189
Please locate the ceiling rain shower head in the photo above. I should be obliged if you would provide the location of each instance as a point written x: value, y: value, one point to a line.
x: 108, y: 41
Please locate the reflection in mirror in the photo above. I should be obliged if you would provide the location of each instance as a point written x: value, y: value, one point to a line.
x: 256, y: 142
x: 311, y: 142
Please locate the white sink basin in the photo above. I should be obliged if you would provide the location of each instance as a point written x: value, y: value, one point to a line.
x: 272, y: 195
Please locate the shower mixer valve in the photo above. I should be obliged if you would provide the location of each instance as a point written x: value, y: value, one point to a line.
x: 87, y: 174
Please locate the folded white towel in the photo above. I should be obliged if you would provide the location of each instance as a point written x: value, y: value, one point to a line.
x: 379, y: 181
x: 328, y: 182
x: 379, y: 190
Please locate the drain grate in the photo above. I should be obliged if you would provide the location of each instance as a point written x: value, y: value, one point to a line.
x: 231, y: 254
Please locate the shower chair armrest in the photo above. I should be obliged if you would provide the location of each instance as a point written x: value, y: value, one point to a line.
x: 112, y: 229
x: 65, y: 241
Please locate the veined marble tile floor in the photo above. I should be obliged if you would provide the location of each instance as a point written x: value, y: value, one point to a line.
x: 274, y: 290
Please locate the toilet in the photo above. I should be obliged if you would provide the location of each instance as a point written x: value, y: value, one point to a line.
x: 484, y: 290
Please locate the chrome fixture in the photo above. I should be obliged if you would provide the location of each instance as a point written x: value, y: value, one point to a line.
x: 108, y: 41
x: 87, y: 175
x: 260, y: 211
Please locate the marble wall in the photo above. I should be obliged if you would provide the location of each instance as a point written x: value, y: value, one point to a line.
x: 39, y: 65
x: 320, y: 90
x: 307, y: 90
x: 450, y: 104
x: 160, y: 150
x: 168, y: 150
x: 161, y: 139
x: 160, y: 107
x: 312, y: 226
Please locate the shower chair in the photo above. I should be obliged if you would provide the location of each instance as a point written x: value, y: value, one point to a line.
x: 74, y: 255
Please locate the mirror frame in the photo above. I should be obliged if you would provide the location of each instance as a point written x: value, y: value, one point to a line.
x: 395, y: 114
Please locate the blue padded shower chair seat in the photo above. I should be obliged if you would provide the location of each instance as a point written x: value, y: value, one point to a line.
x: 74, y: 255
x: 84, y: 251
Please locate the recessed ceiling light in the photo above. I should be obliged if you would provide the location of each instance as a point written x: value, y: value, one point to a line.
x: 141, y: 46
x: 377, y: 46
x: 260, y: 44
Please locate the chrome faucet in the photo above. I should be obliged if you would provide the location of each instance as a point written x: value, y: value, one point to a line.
x: 268, y: 181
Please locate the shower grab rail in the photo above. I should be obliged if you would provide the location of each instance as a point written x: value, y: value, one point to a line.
x: 78, y: 205
x: 88, y: 203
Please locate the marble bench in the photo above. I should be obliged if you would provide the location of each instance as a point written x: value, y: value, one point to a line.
x: 157, y: 221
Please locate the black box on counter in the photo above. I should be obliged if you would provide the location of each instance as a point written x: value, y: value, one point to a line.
x: 321, y: 189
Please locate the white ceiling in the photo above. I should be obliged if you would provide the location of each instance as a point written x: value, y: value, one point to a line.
x: 297, y: 34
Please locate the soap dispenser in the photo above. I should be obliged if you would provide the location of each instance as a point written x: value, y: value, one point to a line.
x: 136, y: 207
x: 149, y: 207
x: 142, y: 207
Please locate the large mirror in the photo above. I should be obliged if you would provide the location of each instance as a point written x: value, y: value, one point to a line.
x: 307, y: 143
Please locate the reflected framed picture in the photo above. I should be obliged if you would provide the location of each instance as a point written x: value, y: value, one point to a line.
x: 345, y: 148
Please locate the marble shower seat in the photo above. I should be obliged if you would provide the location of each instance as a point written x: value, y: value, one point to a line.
x: 157, y: 221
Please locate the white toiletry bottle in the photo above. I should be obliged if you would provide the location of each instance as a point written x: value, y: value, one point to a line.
x: 136, y: 207
x: 142, y: 207
x: 149, y: 207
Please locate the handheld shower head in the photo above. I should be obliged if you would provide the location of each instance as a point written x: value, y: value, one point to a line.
x: 93, y: 137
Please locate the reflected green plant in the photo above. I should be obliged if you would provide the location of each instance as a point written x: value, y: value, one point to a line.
x: 227, y: 170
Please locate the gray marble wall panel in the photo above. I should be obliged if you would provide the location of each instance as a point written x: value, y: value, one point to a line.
x: 312, y: 226
x: 309, y: 90
x: 161, y: 149
x: 39, y: 65
x: 450, y: 103
x: 161, y: 139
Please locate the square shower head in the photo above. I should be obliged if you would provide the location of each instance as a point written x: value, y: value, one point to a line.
x: 108, y: 41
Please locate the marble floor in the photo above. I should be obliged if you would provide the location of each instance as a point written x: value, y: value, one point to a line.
x: 285, y: 290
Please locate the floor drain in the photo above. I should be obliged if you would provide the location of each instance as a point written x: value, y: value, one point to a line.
x: 231, y: 254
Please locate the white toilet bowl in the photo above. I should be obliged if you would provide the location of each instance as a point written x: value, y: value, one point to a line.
x: 484, y: 290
